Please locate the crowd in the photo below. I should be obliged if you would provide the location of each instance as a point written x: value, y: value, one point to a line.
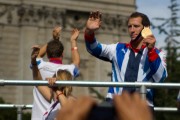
x: 139, y: 60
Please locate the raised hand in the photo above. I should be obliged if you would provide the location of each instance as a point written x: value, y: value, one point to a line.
x: 150, y: 41
x: 94, y: 21
x: 34, y: 53
x: 75, y: 34
x: 56, y: 33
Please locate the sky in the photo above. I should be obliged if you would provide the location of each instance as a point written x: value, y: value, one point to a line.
x: 154, y: 9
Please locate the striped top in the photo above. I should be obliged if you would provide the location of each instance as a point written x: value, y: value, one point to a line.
x: 129, y: 65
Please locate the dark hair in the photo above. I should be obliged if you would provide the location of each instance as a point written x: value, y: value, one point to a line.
x: 145, y: 19
x: 54, y: 49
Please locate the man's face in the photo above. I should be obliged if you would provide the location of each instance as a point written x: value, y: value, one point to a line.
x: 134, y: 27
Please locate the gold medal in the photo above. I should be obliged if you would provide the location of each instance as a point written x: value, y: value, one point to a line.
x: 146, y: 32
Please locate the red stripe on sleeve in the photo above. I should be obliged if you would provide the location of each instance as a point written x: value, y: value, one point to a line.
x: 152, y: 55
x: 89, y: 38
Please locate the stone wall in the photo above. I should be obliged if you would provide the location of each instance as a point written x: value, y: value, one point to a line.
x: 24, y: 23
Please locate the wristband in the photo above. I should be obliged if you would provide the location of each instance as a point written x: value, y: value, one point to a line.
x: 59, y: 94
x: 74, y: 48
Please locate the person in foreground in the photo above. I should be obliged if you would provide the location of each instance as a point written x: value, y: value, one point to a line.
x: 125, y: 106
x: 136, y: 61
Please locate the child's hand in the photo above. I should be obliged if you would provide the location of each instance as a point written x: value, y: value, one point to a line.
x: 51, y: 81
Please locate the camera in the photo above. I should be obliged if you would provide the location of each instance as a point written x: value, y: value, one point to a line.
x: 103, y: 111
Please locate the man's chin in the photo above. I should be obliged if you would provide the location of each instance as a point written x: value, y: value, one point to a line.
x: 133, y: 39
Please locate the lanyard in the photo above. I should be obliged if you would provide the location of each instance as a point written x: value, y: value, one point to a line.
x: 46, y: 114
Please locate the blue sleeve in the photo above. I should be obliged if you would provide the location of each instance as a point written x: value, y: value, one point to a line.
x: 76, y: 71
x: 158, y: 67
x: 101, y: 51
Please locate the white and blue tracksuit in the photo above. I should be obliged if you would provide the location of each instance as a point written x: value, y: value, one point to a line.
x: 130, y: 65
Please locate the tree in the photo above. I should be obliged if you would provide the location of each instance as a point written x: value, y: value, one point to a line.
x: 171, y: 28
x: 11, y: 113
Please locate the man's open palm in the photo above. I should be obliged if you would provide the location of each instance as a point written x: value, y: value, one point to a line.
x: 94, y: 21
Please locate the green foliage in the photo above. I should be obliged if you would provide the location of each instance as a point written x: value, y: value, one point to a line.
x: 168, y: 97
x: 99, y: 96
x: 11, y: 113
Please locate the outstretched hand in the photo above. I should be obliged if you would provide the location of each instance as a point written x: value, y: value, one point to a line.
x: 94, y: 21
x: 76, y: 110
x: 131, y: 107
x: 127, y: 106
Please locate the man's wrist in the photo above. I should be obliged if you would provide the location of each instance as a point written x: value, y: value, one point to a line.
x: 151, y: 46
x: 89, y: 36
x: 89, y: 32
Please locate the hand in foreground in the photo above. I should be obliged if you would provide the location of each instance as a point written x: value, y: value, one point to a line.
x: 76, y: 110
x: 94, y: 21
x: 131, y: 107
x: 127, y: 108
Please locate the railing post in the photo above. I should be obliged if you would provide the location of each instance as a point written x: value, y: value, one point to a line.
x: 19, y: 113
x: 143, y: 92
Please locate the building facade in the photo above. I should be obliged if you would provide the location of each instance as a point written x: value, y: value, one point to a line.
x: 24, y: 23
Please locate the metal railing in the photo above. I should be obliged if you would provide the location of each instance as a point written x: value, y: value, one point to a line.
x: 19, y: 108
x: 142, y: 85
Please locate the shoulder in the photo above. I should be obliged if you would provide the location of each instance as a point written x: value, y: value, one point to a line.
x: 69, y: 67
x: 122, y: 45
x: 115, y: 45
x: 160, y: 51
x: 39, y: 59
